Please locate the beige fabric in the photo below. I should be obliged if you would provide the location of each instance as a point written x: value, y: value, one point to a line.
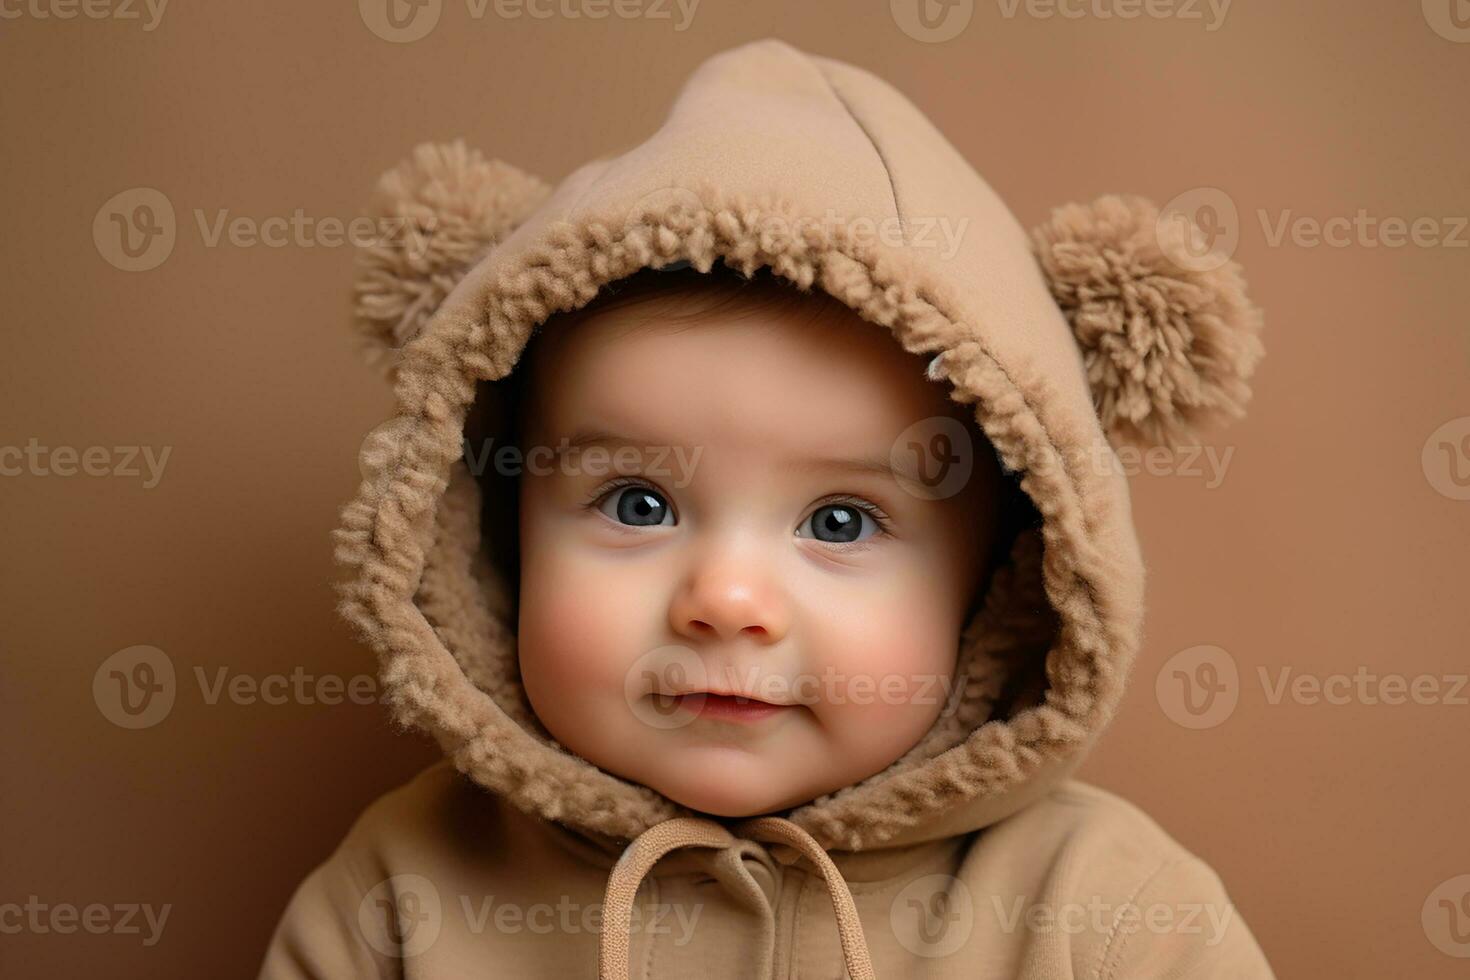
x: 769, y: 158
x: 654, y: 843
x: 1079, y: 885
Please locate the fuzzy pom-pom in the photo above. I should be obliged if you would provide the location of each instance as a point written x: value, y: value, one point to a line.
x: 1169, y: 345
x: 435, y: 215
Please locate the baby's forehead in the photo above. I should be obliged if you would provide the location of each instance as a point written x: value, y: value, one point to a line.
x: 696, y: 363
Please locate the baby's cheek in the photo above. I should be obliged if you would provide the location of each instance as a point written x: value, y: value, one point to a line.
x: 577, y: 636
x: 894, y: 667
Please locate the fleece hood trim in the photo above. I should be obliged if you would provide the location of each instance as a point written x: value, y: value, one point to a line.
x: 764, y: 145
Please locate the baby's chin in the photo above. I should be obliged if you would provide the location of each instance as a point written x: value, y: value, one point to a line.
x: 726, y: 782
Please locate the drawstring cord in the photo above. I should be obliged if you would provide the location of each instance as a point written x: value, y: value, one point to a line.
x: 651, y: 845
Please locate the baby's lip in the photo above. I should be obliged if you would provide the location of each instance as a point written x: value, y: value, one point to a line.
x: 739, y: 697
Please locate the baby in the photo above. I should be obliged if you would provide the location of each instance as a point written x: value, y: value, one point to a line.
x: 758, y: 566
x: 780, y: 621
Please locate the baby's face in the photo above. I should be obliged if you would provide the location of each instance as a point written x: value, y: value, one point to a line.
x: 710, y: 518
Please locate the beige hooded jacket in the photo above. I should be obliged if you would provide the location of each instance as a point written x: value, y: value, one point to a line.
x: 974, y: 855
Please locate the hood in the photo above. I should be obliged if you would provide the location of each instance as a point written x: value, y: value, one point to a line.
x: 1100, y: 327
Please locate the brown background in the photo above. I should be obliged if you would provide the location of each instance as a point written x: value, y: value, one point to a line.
x: 1326, y: 548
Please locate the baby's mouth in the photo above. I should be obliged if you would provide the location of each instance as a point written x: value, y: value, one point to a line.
x: 723, y: 707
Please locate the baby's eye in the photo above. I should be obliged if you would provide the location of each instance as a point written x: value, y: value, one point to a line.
x: 838, y: 523
x: 638, y: 506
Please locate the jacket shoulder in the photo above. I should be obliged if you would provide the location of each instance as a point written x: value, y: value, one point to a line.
x: 1080, y: 813
x: 435, y: 838
x: 433, y: 807
x: 1130, y: 899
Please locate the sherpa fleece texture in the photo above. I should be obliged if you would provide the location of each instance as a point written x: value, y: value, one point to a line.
x: 775, y: 158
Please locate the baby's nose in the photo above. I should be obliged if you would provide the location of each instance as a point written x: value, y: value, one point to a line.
x: 729, y: 600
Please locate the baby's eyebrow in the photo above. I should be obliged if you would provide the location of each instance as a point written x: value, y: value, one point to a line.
x: 583, y: 438
x: 880, y: 464
x: 594, y: 437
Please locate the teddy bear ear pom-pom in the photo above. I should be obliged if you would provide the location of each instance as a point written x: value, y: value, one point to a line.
x: 434, y: 215
x: 1168, y: 336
